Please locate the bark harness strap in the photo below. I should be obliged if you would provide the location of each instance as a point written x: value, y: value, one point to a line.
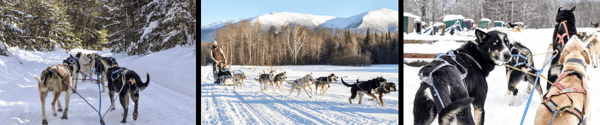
x: 553, y: 107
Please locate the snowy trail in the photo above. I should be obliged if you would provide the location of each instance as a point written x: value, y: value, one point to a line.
x: 496, y: 106
x: 224, y: 105
x: 168, y: 99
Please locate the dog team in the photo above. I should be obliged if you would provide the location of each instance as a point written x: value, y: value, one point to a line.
x: 275, y: 81
x: 60, y: 77
x: 455, y: 80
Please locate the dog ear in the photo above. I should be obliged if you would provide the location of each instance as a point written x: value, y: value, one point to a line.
x: 480, y: 36
x: 586, y: 55
x: 559, y: 9
x: 284, y: 73
x: 573, y: 10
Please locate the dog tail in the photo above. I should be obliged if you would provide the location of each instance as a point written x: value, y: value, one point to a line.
x: 37, y: 79
x: 452, y: 109
x: 144, y: 85
x: 346, y: 84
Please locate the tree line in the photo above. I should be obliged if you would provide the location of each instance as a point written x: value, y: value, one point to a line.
x: 246, y: 43
x: 534, y: 13
x: 136, y: 27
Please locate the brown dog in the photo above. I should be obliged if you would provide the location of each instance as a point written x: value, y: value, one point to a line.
x: 594, y: 47
x: 572, y: 80
x: 52, y: 81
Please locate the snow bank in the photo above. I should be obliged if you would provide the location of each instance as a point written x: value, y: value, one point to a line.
x: 485, y: 19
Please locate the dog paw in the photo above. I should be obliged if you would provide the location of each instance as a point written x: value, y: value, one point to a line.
x: 54, y: 114
x: 60, y: 109
x: 64, y: 117
x: 510, y: 104
x: 44, y: 122
x: 135, y: 114
x: 123, y: 121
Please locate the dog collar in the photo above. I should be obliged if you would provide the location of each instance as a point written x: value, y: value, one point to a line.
x: 578, y: 61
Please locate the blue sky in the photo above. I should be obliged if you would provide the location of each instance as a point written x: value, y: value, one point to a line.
x: 234, y: 10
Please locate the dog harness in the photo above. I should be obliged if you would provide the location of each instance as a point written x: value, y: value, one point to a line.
x: 72, y: 60
x: 518, y: 57
x: 553, y: 107
x: 119, y: 72
x: 429, y: 79
x: 55, y: 73
x: 560, y: 37
x: 592, y: 43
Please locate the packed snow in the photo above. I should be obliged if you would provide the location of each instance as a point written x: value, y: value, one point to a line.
x: 496, y: 104
x: 250, y: 105
x: 168, y: 99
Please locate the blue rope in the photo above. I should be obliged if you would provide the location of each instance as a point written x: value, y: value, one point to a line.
x: 553, y: 116
x: 87, y: 75
x: 537, y: 73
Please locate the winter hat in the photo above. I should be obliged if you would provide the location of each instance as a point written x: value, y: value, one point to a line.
x: 215, y: 43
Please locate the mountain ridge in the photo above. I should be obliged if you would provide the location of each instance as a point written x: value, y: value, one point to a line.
x: 379, y: 20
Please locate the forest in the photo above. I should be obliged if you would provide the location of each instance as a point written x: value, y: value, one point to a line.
x: 136, y: 27
x: 534, y: 13
x: 247, y: 43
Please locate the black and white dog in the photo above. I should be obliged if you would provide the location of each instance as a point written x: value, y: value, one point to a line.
x: 455, y: 80
x: 324, y: 83
x: 515, y: 76
x: 367, y: 87
x: 101, y: 65
x: 73, y: 66
x: 563, y: 31
x: 128, y: 84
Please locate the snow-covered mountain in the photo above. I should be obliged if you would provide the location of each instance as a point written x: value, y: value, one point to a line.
x: 380, y: 20
x: 215, y: 25
x: 283, y: 18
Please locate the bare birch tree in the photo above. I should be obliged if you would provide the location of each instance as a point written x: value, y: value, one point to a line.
x: 298, y: 41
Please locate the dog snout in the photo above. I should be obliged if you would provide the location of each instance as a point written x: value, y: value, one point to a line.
x: 506, y: 55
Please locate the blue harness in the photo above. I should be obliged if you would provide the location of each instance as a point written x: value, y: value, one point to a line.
x: 429, y: 79
x: 118, y: 75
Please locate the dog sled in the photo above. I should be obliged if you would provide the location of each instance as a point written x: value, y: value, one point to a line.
x: 222, y: 75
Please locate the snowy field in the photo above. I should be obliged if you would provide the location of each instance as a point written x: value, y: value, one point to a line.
x: 170, y: 98
x: 224, y: 105
x: 496, y: 105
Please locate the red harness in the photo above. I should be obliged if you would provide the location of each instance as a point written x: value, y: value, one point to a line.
x: 552, y: 106
x: 560, y: 37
